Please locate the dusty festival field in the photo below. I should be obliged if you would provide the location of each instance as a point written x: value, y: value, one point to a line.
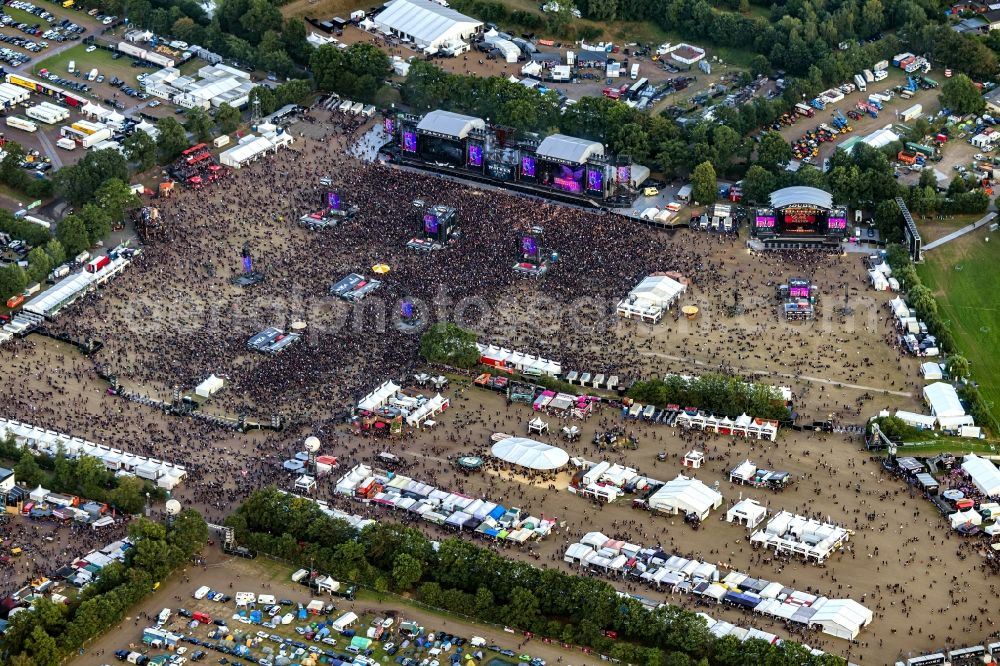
x: 173, y: 318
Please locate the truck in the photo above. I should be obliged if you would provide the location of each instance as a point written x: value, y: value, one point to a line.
x: 920, y: 148
x: 98, y: 264
x: 58, y: 273
x: 634, y: 72
x: 21, y: 124
x: 881, y: 75
x: 92, y: 75
x: 869, y: 77
x: 804, y: 110
x: 66, y: 143
x: 860, y: 82
x: 82, y: 258
x: 929, y: 82
x: 32, y: 289
x: 97, y: 137
x: 911, y: 113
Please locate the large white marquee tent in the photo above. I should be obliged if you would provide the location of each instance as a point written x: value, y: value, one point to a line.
x: 530, y: 453
x: 651, y: 298
x: 685, y: 495
x: 984, y: 474
x: 842, y: 618
x: 425, y: 23
x: 943, y: 400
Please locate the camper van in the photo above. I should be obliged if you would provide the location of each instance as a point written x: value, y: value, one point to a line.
x: 201, y: 592
x: 93, y: 74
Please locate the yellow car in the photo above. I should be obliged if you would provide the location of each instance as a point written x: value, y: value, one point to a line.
x: 650, y: 192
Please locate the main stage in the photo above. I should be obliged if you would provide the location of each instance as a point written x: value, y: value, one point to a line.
x: 561, y: 168
x: 800, y: 218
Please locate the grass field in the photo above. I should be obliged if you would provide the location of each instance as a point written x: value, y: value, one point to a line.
x: 964, y: 278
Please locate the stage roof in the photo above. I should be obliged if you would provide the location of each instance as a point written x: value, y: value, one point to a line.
x: 569, y: 149
x: 530, y: 453
x: 801, y: 195
x: 452, y: 124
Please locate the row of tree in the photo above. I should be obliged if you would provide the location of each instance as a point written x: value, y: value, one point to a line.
x: 50, y: 633
x: 16, y: 177
x: 85, y: 476
x: 717, y: 394
x: 479, y: 583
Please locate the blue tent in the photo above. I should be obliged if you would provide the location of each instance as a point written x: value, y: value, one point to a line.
x: 497, y: 513
x: 255, y: 617
x: 303, y: 614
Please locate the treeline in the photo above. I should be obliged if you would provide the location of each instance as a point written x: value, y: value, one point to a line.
x: 559, y: 23
x: 51, y: 633
x: 14, y: 176
x: 86, y: 477
x: 920, y: 298
x: 480, y: 584
x: 717, y: 394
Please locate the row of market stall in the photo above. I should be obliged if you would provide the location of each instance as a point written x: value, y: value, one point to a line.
x: 166, y: 475
x: 843, y: 618
x: 389, y: 400
x: 743, y: 425
x: 42, y: 503
x: 87, y: 569
x: 913, y: 333
x: 441, y: 507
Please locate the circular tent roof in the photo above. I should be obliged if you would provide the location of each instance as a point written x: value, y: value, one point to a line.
x: 802, y: 195
x: 529, y: 453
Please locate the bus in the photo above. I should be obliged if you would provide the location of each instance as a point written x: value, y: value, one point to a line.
x: 637, y: 87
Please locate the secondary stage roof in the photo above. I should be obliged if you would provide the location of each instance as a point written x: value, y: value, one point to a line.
x: 530, y: 453
x: 569, y: 149
x: 426, y: 23
x: 451, y: 124
x: 800, y: 194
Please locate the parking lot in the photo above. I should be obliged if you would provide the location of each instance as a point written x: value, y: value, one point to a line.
x: 387, y: 631
x: 115, y: 75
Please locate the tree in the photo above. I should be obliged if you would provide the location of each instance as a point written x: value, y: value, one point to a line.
x: 773, y: 151
x: 292, y: 92
x: 294, y: 37
x: 78, y: 183
x: 172, y: 138
x: 228, y: 118
x: 141, y: 147
x: 72, y: 233
x: 39, y: 265
x: 199, y: 124
x: 962, y: 96
x: 13, y: 280
x: 450, y: 344
x: 43, y: 648
x: 129, y: 495
x: 116, y: 197
x: 268, y: 101
x: 889, y: 220
x: 406, y: 571
x: 703, y: 184
x: 96, y: 220
x: 56, y: 252
x: 958, y: 366
x: 260, y: 17
x: 27, y: 470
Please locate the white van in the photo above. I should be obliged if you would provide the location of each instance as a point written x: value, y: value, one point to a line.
x: 201, y: 592
x: 72, y: 67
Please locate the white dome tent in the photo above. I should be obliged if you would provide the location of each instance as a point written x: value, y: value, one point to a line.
x: 530, y: 453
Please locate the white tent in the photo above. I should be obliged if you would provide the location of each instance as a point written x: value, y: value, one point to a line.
x: 943, y: 400
x: 210, y: 386
x: 685, y: 495
x: 425, y: 23
x: 379, y: 397
x: 529, y: 453
x: 842, y: 618
x: 984, y: 474
x: 651, y: 298
x: 916, y: 420
x: 747, y: 512
x: 969, y: 517
x: 878, y: 280
x: 38, y: 494
x: 931, y: 370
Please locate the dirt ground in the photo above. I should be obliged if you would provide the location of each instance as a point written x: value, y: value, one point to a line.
x: 902, y: 561
x: 262, y: 576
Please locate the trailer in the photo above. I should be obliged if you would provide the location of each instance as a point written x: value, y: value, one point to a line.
x: 21, y: 124
x: 860, y: 82
x: 47, y: 116
x: 881, y: 66
x: 804, y: 110
x: 869, y: 77
x: 96, y: 138
x: 634, y: 72
x: 911, y: 113
x: 920, y: 148
x: 929, y: 82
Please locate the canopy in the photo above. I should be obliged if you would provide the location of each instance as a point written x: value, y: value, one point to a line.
x: 686, y: 495
x: 209, y: 387
x: 842, y: 618
x: 530, y: 453
x: 984, y: 474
